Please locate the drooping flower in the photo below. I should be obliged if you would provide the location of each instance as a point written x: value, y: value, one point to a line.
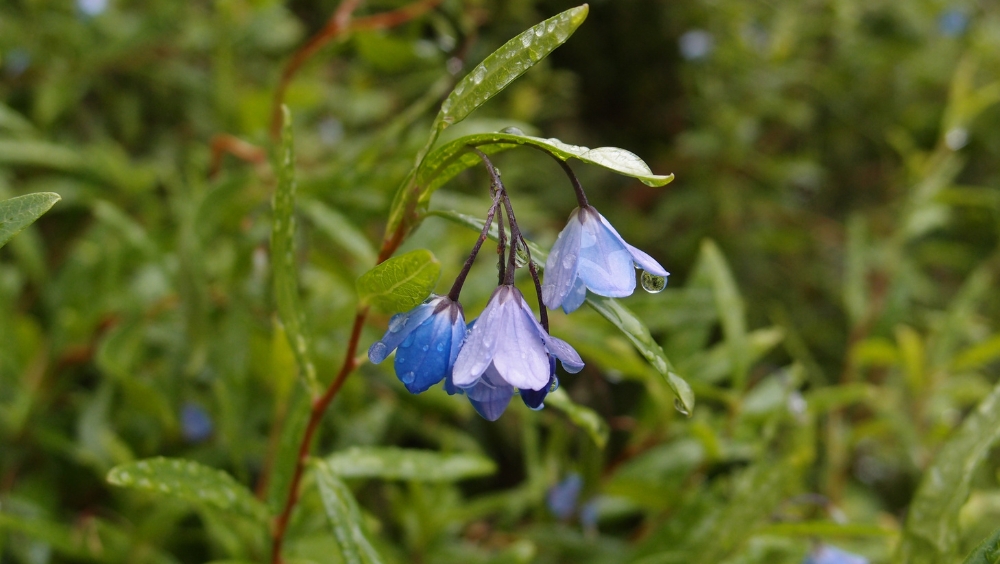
x: 426, y: 340
x: 590, y: 255
x: 507, y: 348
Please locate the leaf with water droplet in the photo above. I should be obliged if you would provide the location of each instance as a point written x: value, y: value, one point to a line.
x: 20, y: 212
x: 345, y: 517
x: 190, y: 481
x: 400, y: 283
x: 932, y: 532
x: 285, y: 272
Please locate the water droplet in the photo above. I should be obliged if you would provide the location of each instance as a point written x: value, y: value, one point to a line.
x: 652, y: 283
x: 440, y: 346
x: 479, y: 74
x: 378, y: 352
x: 551, y: 27
x: 679, y: 406
x: 459, y: 88
x: 539, y: 408
x: 425, y: 348
x: 407, y: 341
x: 555, y: 385
x: 397, y: 322
x: 512, y: 131
x: 568, y: 261
x: 526, y: 39
x: 408, y: 377
x: 539, y: 30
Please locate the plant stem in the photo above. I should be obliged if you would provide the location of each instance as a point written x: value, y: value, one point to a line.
x: 456, y: 288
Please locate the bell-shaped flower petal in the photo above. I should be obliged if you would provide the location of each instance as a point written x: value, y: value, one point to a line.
x: 427, y: 340
x: 507, y: 340
x: 490, y: 395
x: 589, y: 254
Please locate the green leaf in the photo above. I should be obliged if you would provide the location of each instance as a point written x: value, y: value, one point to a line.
x: 286, y: 286
x: 400, y: 283
x: 825, y: 529
x: 732, y: 311
x: 339, y: 229
x: 20, y: 212
x: 345, y: 517
x: 988, y: 552
x: 621, y: 317
x: 391, y: 463
x: 978, y: 355
x: 584, y: 417
x: 507, y: 63
x: 485, y: 81
x: 931, y: 533
x: 190, y: 481
x: 41, y: 154
x: 637, y: 333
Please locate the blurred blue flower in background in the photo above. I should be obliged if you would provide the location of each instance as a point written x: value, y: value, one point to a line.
x: 562, y: 498
x: 15, y: 62
x: 196, y: 423
x: 426, y: 340
x: 590, y: 255
x: 826, y: 554
x: 696, y: 44
x: 953, y: 22
x: 92, y: 7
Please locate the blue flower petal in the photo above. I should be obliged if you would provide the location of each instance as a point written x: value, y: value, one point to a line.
x: 481, y: 342
x: 605, y: 264
x: 562, y: 497
x: 423, y: 358
x: 576, y: 297
x: 641, y: 259
x: 561, y: 265
x: 520, y: 357
x: 490, y: 395
x: 565, y: 352
x: 400, y: 327
x: 534, y: 398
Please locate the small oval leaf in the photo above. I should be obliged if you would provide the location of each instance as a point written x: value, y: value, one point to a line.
x: 392, y: 463
x: 20, y: 212
x: 507, y: 63
x: 400, y: 283
x: 190, y: 481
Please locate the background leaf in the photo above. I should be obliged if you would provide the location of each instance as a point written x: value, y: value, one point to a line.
x: 20, y: 212
x: 988, y: 552
x: 391, y: 463
x: 400, y: 283
x: 190, y: 481
x: 345, y: 517
x: 583, y: 417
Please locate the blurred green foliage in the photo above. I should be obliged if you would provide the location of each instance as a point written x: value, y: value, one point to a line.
x: 832, y: 235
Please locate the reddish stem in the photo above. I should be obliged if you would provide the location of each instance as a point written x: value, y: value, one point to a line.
x: 319, y: 406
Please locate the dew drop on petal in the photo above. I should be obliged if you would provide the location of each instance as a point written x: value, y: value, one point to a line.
x: 440, y: 346
x: 378, y: 352
x: 408, y: 377
x: 679, y: 406
x: 555, y: 385
x: 397, y: 322
x: 407, y: 341
x: 652, y: 283
x: 425, y: 348
x: 568, y: 261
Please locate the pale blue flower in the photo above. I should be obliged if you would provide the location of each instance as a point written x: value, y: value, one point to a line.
x: 506, y: 351
x: 426, y: 340
x: 590, y: 255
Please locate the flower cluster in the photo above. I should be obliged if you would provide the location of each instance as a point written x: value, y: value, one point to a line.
x: 507, y: 351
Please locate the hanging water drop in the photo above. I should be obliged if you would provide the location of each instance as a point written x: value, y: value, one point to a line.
x: 679, y: 406
x: 555, y: 385
x: 652, y: 283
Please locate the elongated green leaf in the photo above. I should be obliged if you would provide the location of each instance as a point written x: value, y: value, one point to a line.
x: 485, y: 81
x: 400, y: 283
x: 932, y: 531
x: 14, y: 122
x: 286, y: 286
x: 345, y: 517
x: 732, y: 311
x: 18, y: 213
x: 392, y: 463
x: 42, y: 154
x: 826, y: 529
x: 190, y: 481
x: 340, y: 230
x: 979, y: 354
x: 988, y: 552
x: 505, y: 64
x: 621, y: 317
x: 584, y: 417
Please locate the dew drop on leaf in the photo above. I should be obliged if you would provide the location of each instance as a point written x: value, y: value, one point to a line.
x: 397, y: 322
x: 652, y: 283
x: 521, y: 257
x: 679, y: 406
x: 479, y: 74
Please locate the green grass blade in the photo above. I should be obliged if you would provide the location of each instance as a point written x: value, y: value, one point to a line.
x: 391, y: 463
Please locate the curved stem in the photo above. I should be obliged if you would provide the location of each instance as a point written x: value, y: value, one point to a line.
x: 456, y: 288
x: 319, y: 406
